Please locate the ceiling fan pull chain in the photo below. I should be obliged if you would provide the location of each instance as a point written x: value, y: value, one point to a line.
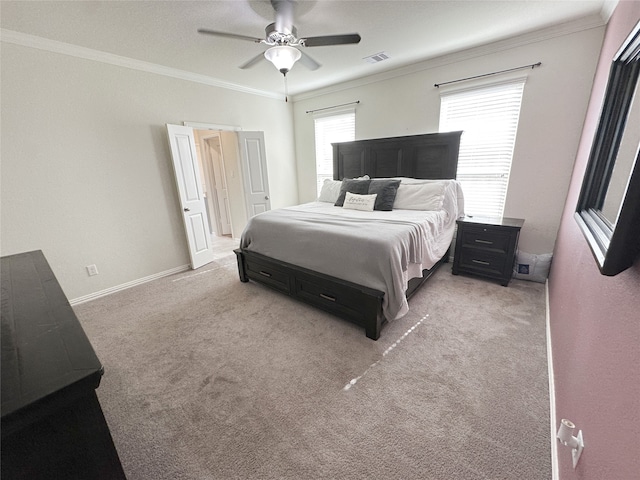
x: 286, y: 89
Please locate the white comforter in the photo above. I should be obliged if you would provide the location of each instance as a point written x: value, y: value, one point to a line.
x: 379, y: 249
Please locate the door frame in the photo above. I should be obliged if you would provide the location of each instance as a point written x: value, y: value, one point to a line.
x: 216, y: 128
x: 212, y: 126
x: 242, y: 168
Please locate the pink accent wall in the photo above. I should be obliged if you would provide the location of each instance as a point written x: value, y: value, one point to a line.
x: 595, y: 320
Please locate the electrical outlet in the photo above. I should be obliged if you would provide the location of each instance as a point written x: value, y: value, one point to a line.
x: 92, y: 270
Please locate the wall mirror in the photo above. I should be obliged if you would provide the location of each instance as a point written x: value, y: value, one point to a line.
x: 608, y: 210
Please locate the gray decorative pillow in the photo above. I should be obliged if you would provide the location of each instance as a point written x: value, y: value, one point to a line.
x: 360, y: 187
x: 386, y: 191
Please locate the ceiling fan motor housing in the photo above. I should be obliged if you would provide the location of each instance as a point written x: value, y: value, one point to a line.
x: 274, y: 37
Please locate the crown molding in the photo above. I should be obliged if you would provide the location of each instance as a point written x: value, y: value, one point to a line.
x: 54, y: 46
x: 548, y: 33
x: 607, y: 9
x: 584, y: 23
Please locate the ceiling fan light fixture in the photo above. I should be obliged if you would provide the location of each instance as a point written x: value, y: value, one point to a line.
x: 283, y: 57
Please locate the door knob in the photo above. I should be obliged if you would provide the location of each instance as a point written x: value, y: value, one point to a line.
x: 187, y: 209
x: 266, y: 197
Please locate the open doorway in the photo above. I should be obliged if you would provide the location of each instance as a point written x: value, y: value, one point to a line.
x: 233, y: 174
x: 214, y: 182
x: 222, y: 181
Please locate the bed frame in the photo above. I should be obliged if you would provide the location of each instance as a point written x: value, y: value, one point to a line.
x: 433, y: 156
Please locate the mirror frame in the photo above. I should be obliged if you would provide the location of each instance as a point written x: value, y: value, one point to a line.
x: 615, y: 247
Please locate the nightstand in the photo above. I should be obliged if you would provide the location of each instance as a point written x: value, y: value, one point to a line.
x: 486, y: 246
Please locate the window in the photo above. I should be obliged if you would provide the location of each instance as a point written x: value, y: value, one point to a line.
x: 331, y: 128
x: 488, y: 117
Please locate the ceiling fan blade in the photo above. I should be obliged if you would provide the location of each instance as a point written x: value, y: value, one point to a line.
x: 308, y: 62
x: 252, y: 61
x: 229, y: 35
x: 325, y: 40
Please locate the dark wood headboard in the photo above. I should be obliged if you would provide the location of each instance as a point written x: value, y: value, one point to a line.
x: 432, y: 155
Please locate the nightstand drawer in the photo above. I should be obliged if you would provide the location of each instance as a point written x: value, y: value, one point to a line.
x: 483, y: 261
x: 486, y: 238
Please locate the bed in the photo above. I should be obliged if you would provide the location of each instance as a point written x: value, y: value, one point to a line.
x: 362, y: 266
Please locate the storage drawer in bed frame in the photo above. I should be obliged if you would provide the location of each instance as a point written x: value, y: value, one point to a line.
x: 358, y: 304
x: 343, y: 300
x: 270, y: 274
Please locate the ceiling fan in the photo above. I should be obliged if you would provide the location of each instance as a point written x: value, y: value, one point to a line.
x: 282, y: 38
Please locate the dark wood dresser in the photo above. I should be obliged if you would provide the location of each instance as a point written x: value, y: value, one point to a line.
x: 52, y: 423
x: 486, y: 246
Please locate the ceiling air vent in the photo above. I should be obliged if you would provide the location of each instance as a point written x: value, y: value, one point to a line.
x: 378, y: 57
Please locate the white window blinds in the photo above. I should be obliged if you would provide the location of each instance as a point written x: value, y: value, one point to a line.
x: 331, y: 128
x: 488, y: 117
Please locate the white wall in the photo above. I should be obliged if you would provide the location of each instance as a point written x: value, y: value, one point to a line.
x: 553, y: 109
x: 86, y: 172
x: 86, y: 169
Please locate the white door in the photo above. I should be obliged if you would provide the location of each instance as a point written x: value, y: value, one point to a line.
x: 254, y: 166
x: 192, y: 201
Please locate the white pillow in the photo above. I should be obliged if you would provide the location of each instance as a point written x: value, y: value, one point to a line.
x: 359, y: 202
x: 422, y: 196
x: 330, y: 191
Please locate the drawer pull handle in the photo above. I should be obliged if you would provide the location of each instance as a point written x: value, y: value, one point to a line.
x: 487, y: 242
x: 266, y: 274
x: 481, y: 262
x: 328, y: 297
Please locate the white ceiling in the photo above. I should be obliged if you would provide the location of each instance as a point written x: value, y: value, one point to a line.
x: 165, y: 32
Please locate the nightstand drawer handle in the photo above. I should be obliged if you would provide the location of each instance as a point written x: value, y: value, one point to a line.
x: 266, y: 274
x: 481, y: 262
x: 328, y: 297
x: 487, y: 242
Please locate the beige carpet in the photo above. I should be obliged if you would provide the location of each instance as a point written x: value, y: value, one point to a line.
x: 210, y: 378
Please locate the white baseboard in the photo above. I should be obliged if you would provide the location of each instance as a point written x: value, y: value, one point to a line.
x: 124, y: 286
x: 555, y: 474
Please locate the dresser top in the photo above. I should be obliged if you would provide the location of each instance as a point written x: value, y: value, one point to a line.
x: 496, y: 221
x: 44, y: 348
